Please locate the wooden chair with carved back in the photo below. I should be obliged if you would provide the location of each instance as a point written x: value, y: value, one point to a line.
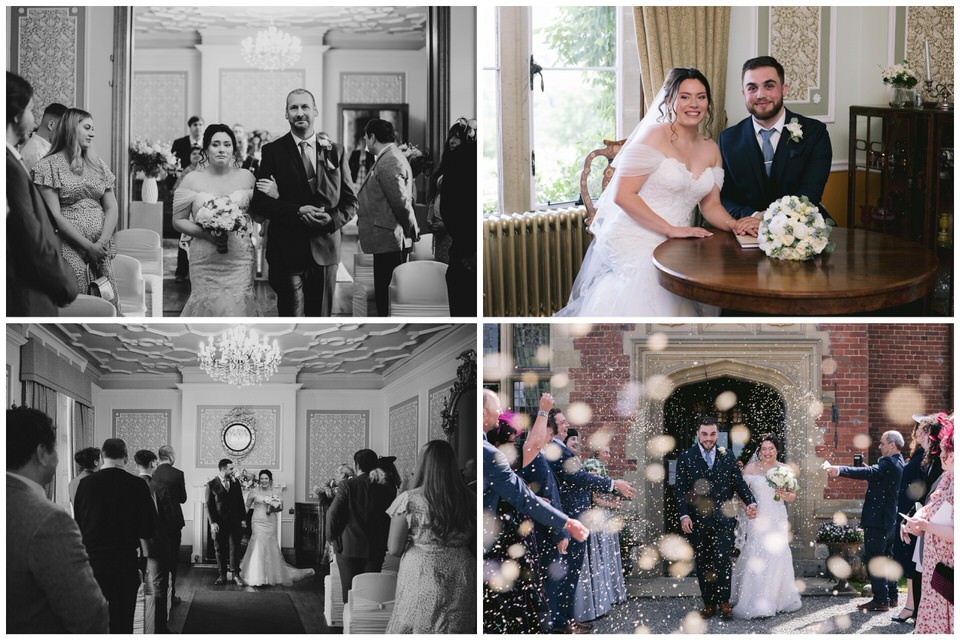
x: 609, y: 151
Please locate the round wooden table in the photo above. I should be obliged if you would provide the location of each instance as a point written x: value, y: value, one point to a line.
x: 865, y: 272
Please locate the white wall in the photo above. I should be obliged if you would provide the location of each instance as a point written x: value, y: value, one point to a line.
x: 463, y: 62
x: 98, y: 71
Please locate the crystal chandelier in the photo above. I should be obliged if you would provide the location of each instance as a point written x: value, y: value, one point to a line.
x: 271, y: 50
x: 239, y: 357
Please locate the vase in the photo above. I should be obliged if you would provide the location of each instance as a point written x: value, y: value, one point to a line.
x: 149, y: 191
x: 902, y: 98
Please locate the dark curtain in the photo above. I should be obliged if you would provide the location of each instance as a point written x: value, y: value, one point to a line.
x: 36, y: 396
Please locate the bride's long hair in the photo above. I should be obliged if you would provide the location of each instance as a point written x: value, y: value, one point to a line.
x: 452, y: 505
x: 671, y: 87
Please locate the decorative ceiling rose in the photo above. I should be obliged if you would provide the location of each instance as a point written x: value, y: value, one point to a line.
x: 239, y: 357
x: 271, y: 50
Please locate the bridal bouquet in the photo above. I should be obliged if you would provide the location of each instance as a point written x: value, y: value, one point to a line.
x: 782, y: 478
x: 274, y: 503
x: 793, y: 228
x: 220, y: 216
x: 152, y: 158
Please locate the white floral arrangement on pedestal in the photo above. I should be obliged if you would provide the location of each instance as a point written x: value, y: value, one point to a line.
x: 793, y: 228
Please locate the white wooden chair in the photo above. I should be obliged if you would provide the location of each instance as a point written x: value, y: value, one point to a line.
x: 419, y: 289
x: 369, y: 603
x: 146, y: 246
x: 88, y: 306
x: 130, y: 286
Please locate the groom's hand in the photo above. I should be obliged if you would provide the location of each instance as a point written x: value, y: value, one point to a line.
x: 314, y: 216
x: 624, y: 487
x: 746, y: 226
x: 562, y: 545
x: 576, y: 529
x: 686, y: 524
x: 752, y: 511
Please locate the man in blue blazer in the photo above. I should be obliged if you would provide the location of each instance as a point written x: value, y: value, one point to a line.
x: 773, y: 153
x: 701, y: 513
x: 576, y: 495
x: 878, y: 519
x: 500, y: 482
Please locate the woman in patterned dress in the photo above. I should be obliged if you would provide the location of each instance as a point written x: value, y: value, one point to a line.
x: 935, y: 522
x: 78, y: 187
x: 434, y: 526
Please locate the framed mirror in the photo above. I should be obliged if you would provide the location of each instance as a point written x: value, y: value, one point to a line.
x: 459, y: 415
x: 354, y: 117
x: 238, y: 434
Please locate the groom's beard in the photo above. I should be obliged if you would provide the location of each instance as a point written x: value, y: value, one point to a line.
x: 770, y: 110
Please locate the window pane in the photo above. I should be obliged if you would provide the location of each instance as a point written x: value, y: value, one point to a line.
x: 490, y: 139
x: 491, y: 338
x: 526, y: 397
x: 574, y: 36
x: 571, y: 118
x: 487, y: 25
x: 531, y: 346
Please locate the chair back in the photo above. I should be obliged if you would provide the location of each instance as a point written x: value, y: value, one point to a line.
x: 91, y: 306
x: 423, y: 248
x: 419, y: 289
x: 609, y: 151
x: 144, y: 245
x: 130, y: 285
x: 378, y: 587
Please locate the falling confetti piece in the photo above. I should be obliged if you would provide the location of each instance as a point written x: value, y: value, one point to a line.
x: 578, y: 413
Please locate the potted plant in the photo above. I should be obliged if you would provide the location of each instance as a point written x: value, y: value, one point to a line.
x: 843, y: 541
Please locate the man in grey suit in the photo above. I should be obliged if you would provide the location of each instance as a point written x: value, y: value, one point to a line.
x: 385, y: 215
x: 50, y: 585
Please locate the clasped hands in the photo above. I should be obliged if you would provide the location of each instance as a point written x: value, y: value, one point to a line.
x: 309, y: 215
x: 686, y: 522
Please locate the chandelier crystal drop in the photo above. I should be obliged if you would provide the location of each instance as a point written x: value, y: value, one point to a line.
x: 271, y: 49
x: 239, y: 357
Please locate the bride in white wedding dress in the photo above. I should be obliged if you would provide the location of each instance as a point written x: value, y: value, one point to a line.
x: 663, y: 171
x: 263, y: 564
x: 763, y: 580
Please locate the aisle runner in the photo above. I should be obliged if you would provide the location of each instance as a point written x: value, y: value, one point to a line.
x: 242, y: 612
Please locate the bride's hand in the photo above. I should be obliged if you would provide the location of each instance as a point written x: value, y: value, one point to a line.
x: 268, y: 186
x: 746, y: 226
x: 688, y: 232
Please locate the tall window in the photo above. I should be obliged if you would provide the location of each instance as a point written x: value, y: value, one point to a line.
x: 550, y: 89
x: 524, y: 363
x: 576, y: 108
x: 65, y: 449
x: 488, y: 25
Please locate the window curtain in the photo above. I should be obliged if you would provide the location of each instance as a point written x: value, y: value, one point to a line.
x: 36, y: 396
x: 82, y: 426
x: 698, y: 37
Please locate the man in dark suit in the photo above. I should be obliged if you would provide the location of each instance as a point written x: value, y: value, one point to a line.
x: 360, y: 160
x: 304, y: 191
x: 386, y: 220
x: 181, y: 146
x: 39, y: 280
x: 227, y: 512
x: 154, y: 555
x: 171, y: 492
x: 576, y: 496
x: 357, y: 521
x: 764, y: 160
x: 50, y: 585
x: 115, y: 511
x: 701, y: 513
x: 878, y: 518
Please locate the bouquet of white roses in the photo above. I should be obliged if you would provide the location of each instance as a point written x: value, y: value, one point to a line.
x: 154, y: 159
x: 782, y: 478
x: 221, y: 216
x: 274, y: 503
x: 793, y: 229
x: 900, y: 75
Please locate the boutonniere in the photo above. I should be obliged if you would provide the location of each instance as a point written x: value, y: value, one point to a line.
x: 721, y: 451
x: 796, y: 131
x: 324, y: 145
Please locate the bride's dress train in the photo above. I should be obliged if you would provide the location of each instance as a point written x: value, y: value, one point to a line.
x: 763, y: 580
x: 263, y: 564
x: 618, y: 277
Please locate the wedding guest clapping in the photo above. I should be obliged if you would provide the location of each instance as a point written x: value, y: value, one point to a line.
x: 878, y: 518
x: 44, y: 547
x: 433, y: 526
x: 78, y: 186
x: 935, y: 521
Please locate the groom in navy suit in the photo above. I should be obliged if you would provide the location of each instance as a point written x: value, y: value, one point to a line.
x: 701, y: 513
x: 763, y: 160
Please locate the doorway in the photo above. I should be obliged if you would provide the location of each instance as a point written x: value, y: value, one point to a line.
x: 754, y: 409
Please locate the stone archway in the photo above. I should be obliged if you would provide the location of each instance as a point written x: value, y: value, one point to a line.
x: 790, y: 365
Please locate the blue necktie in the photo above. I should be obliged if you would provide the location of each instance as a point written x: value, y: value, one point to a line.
x: 708, y: 457
x: 767, y: 149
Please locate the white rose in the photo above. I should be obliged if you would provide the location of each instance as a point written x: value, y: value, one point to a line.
x: 801, y: 231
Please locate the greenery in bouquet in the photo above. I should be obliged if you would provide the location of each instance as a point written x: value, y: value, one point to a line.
x: 419, y: 159
x: 900, y: 75
x: 833, y: 533
x: 154, y: 159
x: 793, y: 228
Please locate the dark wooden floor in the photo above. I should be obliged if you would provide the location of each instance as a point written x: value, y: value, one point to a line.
x: 307, y: 596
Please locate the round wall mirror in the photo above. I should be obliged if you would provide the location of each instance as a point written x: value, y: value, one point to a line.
x: 237, y: 438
